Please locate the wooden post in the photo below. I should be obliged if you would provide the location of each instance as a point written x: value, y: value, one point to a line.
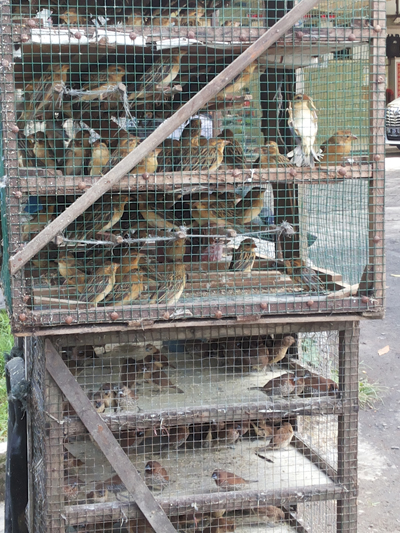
x: 348, y: 427
x: 160, y: 134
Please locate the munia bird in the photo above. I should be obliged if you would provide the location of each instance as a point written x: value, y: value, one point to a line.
x: 177, y: 436
x: 315, y: 385
x: 281, y: 438
x: 99, y: 284
x: 77, y: 154
x: 100, y: 158
x: 158, y: 75
x: 337, y: 148
x: 284, y: 385
x: 239, y: 83
x: 46, y: 92
x: 170, y: 284
x: 303, y: 122
x: 304, y: 275
x: 280, y: 348
x: 156, y: 476
x: 270, y: 157
x: 233, y: 153
x: 243, y: 257
x: 229, y: 481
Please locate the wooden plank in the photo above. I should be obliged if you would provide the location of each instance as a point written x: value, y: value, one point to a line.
x: 44, y: 181
x: 200, y: 415
x: 205, y: 503
x: 162, y: 132
x: 106, y: 442
x: 348, y: 427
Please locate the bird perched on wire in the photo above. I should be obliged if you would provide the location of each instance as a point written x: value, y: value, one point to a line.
x: 191, y: 131
x: 229, y: 481
x: 177, y: 436
x: 239, y: 83
x: 42, y: 150
x: 156, y: 476
x: 281, y: 438
x: 99, y: 284
x: 158, y: 76
x: 270, y: 157
x: 170, y: 284
x: 304, y: 275
x: 77, y: 155
x: 303, y: 122
x: 102, y: 83
x: 337, y: 148
x: 243, y: 257
x: 233, y: 152
x: 46, y: 92
x: 100, y: 158
x: 280, y: 348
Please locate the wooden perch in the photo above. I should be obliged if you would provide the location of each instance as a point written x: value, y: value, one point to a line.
x: 160, y: 134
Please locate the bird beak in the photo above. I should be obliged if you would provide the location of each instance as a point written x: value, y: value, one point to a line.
x: 354, y: 137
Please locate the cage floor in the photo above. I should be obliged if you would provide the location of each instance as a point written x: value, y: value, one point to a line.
x: 190, y: 470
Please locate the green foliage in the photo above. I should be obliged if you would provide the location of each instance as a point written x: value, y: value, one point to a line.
x: 368, y: 393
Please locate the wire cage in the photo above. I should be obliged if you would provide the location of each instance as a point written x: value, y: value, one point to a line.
x: 267, y: 198
x: 230, y: 428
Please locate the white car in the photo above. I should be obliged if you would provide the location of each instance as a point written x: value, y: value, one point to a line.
x: 392, y: 123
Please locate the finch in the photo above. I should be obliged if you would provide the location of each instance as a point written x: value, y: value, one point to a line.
x: 233, y: 153
x: 236, y: 86
x: 100, y: 158
x: 303, y: 122
x: 243, y: 258
x: 156, y: 476
x: 269, y: 157
x: 78, y: 154
x: 337, y: 148
x: 170, y: 285
x: 229, y: 481
x: 99, y: 284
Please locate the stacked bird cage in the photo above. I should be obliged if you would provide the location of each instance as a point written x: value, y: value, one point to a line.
x: 229, y: 429
x: 177, y: 176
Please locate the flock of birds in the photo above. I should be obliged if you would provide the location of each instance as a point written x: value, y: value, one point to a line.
x: 243, y: 354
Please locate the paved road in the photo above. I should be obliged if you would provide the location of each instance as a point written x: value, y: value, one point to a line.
x: 379, y: 443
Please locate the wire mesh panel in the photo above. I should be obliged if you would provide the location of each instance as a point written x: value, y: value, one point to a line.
x: 268, y: 200
x: 229, y: 429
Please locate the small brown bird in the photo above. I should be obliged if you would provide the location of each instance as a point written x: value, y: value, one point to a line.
x: 158, y: 75
x: 229, y: 434
x: 337, y: 148
x: 160, y: 380
x: 269, y: 157
x: 73, y: 17
x: 97, y: 496
x: 127, y: 286
x: 280, y: 348
x: 233, y: 152
x: 102, y: 84
x: 238, y: 84
x: 283, y: 385
x: 156, y: 476
x: 113, y: 484
x: 127, y: 399
x: 191, y: 131
x: 71, y: 487
x: 100, y: 158
x: 47, y: 92
x: 130, y: 440
x: 170, y: 285
x: 177, y: 436
x: 99, y: 403
x: 26, y: 155
x: 68, y: 269
x: 109, y: 395
x: 175, y: 250
x: 262, y: 429
x: 169, y: 155
x: 304, y: 275
x: 153, y: 217
x: 77, y: 155
x: 281, y: 438
x: 127, y: 143
x: 99, y: 284
x: 229, y: 481
x: 317, y: 385
x: 156, y: 358
x: 261, y: 515
x: 42, y: 150
x: 203, y: 155
x: 303, y: 122
x: 243, y: 257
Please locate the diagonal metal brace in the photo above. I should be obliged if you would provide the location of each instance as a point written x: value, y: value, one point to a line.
x: 106, y: 441
x: 160, y: 134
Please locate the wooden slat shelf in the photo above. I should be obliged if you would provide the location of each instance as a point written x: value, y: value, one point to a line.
x: 205, y: 503
x: 42, y: 181
x: 276, y: 409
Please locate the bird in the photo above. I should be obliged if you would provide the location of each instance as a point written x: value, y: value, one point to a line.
x: 98, y: 400
x: 280, y: 348
x: 239, y: 83
x: 26, y: 155
x: 283, y: 385
x: 47, y: 91
x: 109, y: 395
x: 233, y: 152
x: 127, y: 399
x: 127, y: 143
x: 191, y: 131
x: 229, y: 481
x: 156, y: 358
x: 97, y: 496
x: 42, y: 150
x: 158, y: 75
x: 169, y: 155
x: 281, y: 438
x: 100, y: 158
x: 156, y: 476
x: 243, y: 257
x: 57, y: 138
x: 77, y: 155
x: 175, y: 249
x: 269, y: 157
x: 202, y: 154
x: 270, y: 514
x: 160, y: 380
x: 337, y: 148
x: 177, y: 436
x: 99, y: 284
x: 317, y: 385
x: 170, y: 284
x: 40, y: 220
x: 71, y: 487
x: 229, y: 434
x: 303, y: 122
x: 128, y: 283
x: 153, y: 216
x: 101, y: 216
x: 102, y: 83
x: 262, y: 429
x: 304, y: 275
x: 130, y: 439
x: 68, y: 269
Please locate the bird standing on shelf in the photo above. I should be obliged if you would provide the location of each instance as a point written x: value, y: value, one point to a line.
x: 102, y: 83
x: 303, y: 122
x: 304, y: 275
x: 156, y: 476
x: 229, y: 481
x: 77, y: 155
x: 99, y: 284
x: 281, y: 438
x: 177, y: 436
x: 269, y: 157
x: 233, y: 152
x: 128, y: 282
x: 280, y: 348
x: 240, y: 82
x: 159, y: 75
x: 170, y: 284
x: 68, y: 269
x: 243, y: 257
x: 100, y: 158
x: 202, y: 154
x: 337, y: 148
x: 284, y: 385
x: 127, y: 399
